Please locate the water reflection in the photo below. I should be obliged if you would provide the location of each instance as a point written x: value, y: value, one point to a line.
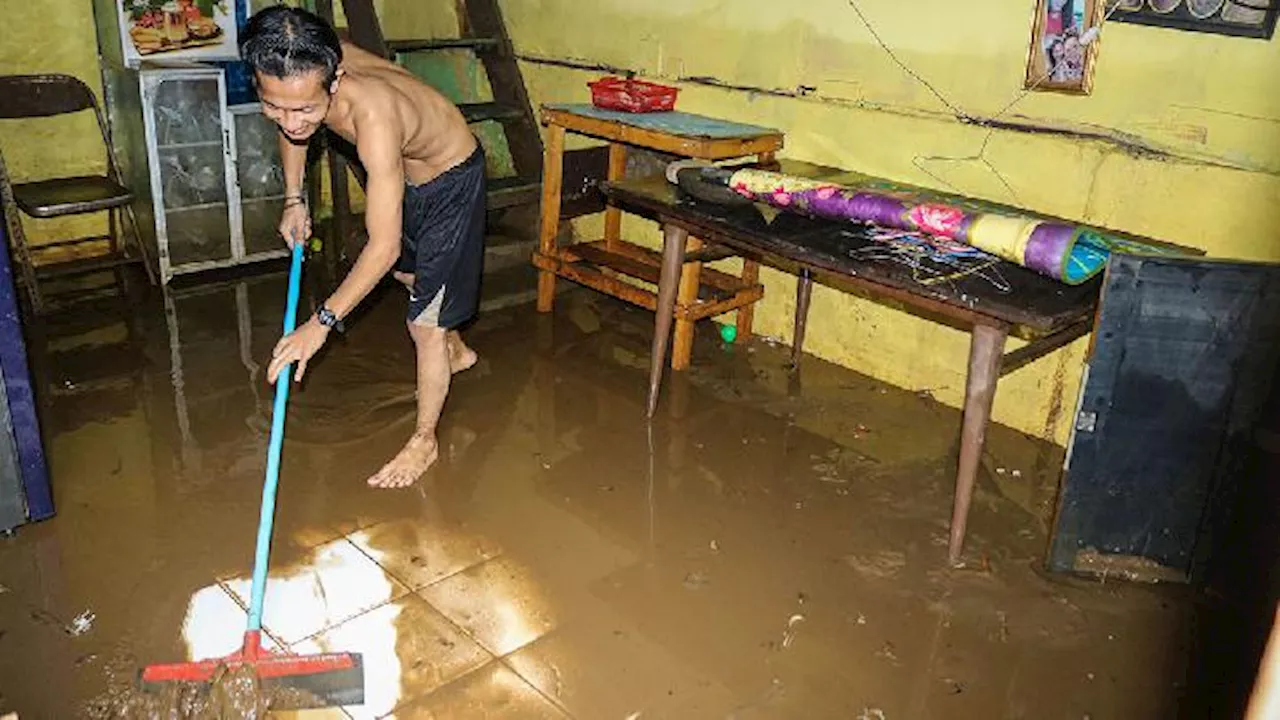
x: 307, y: 604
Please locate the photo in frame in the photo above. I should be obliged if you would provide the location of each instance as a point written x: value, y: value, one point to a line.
x: 1060, y: 58
x: 179, y: 29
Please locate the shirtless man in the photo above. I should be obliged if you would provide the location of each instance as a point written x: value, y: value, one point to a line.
x: 425, y: 199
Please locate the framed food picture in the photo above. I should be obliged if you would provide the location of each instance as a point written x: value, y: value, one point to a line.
x: 178, y: 30
x: 1061, y: 56
x: 1242, y: 18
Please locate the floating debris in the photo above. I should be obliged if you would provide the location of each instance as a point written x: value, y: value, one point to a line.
x: 789, y: 635
x: 886, y: 652
x: 81, y: 623
x: 695, y: 580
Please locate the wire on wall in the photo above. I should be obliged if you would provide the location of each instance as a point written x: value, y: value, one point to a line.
x: 1089, y: 37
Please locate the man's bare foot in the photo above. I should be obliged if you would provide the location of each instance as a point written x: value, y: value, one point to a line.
x: 461, y: 357
x: 462, y: 361
x: 407, y: 466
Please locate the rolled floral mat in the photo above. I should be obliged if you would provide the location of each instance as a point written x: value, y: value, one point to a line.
x: 1066, y: 252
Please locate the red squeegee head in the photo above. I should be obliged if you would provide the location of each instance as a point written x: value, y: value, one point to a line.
x: 295, y: 682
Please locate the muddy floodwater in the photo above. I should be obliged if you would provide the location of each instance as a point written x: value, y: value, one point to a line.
x: 771, y: 546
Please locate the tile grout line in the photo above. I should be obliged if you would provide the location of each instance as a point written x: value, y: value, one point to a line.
x: 493, y: 657
x: 222, y: 585
x: 289, y: 645
x: 555, y: 701
x: 411, y: 590
x: 403, y: 581
x: 394, y: 597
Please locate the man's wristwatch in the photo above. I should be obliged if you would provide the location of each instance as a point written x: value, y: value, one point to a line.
x: 329, y: 320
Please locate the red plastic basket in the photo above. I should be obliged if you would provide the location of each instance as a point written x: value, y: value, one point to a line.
x: 630, y: 95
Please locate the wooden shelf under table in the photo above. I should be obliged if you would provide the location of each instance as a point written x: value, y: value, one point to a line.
x: 599, y: 267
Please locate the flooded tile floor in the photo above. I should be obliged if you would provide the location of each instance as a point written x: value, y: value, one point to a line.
x: 773, y: 546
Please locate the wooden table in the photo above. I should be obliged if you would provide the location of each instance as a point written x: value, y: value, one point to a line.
x: 601, y: 264
x: 1047, y: 313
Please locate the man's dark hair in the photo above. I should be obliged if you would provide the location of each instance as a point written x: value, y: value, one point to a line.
x: 283, y: 41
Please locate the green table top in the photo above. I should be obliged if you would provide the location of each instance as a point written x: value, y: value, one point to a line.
x: 679, y: 124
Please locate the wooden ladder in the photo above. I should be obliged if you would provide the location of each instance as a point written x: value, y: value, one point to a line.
x: 485, y: 34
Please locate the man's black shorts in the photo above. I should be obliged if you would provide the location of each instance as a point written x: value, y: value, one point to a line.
x: 443, y: 243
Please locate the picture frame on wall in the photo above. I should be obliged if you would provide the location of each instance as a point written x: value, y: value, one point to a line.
x: 1239, y: 18
x: 165, y: 30
x: 1060, y: 59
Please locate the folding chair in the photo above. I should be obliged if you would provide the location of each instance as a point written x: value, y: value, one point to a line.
x: 36, y: 96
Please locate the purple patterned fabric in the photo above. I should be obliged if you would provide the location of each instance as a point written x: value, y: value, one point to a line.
x: 1050, y: 248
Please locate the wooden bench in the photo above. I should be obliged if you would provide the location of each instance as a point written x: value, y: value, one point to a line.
x: 606, y: 265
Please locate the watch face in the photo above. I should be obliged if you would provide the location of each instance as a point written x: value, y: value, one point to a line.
x: 327, y: 318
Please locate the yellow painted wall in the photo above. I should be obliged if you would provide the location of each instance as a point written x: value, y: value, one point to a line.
x: 41, y: 37
x: 1207, y: 101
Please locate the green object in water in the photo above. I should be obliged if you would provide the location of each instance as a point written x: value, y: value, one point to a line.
x: 316, y: 244
x: 728, y: 333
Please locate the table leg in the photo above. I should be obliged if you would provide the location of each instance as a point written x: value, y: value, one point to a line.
x: 686, y: 296
x: 612, y: 213
x: 985, y: 351
x: 673, y: 242
x: 747, y: 313
x: 549, y: 227
x: 804, y: 291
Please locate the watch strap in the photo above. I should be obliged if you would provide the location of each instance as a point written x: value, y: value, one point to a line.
x: 329, y: 319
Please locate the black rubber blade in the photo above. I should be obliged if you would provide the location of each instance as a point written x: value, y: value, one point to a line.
x: 331, y: 688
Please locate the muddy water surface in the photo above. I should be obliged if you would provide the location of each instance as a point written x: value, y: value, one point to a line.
x: 773, y: 546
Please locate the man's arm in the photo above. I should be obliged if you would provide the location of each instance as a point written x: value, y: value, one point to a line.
x: 295, y: 220
x: 378, y: 146
x: 378, y: 143
x: 293, y: 158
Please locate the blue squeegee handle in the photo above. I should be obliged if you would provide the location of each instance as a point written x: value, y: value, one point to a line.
x: 259, y: 589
